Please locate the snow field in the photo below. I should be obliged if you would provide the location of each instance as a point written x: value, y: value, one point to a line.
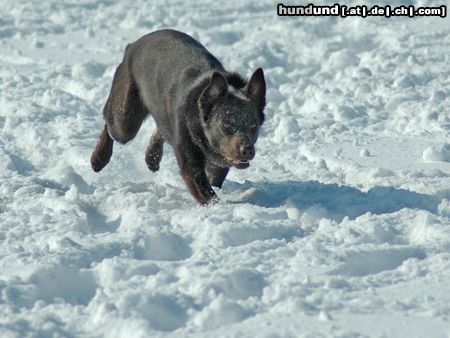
x: 340, y: 227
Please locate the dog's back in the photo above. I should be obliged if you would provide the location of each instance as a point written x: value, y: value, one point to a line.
x: 165, y: 64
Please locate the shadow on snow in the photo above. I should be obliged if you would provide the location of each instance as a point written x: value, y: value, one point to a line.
x: 339, y: 201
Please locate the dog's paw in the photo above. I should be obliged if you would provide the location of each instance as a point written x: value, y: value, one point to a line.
x: 153, y: 160
x: 98, y: 164
x: 213, y: 201
x: 152, y: 167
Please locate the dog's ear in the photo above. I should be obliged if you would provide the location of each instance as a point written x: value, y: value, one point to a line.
x: 216, y: 88
x: 256, y: 89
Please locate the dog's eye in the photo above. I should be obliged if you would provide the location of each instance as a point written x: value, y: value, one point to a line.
x: 228, y: 128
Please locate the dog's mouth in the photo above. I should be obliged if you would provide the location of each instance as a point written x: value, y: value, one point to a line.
x: 239, y: 164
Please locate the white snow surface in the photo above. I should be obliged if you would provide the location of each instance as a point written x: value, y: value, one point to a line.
x: 339, y: 228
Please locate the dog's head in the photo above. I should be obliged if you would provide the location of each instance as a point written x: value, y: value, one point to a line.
x: 232, y: 116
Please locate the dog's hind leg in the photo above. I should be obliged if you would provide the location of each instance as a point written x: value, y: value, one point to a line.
x: 103, y: 151
x: 154, y: 151
x: 124, y: 110
x: 216, y: 175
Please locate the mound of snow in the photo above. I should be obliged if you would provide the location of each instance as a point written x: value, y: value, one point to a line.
x: 437, y: 153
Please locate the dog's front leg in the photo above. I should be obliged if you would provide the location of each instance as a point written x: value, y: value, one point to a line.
x: 192, y: 169
x: 199, y: 187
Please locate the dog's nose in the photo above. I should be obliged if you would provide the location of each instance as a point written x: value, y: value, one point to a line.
x: 247, y: 151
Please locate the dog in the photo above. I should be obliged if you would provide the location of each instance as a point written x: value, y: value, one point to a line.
x: 210, y: 117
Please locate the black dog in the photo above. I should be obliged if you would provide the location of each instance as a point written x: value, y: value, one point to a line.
x: 209, y: 116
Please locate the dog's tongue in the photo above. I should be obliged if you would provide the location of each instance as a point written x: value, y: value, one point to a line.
x: 241, y: 165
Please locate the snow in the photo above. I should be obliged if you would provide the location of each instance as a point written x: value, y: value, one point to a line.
x: 339, y: 228
x: 437, y: 153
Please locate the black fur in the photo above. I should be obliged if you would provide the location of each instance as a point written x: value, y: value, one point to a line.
x: 209, y: 116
